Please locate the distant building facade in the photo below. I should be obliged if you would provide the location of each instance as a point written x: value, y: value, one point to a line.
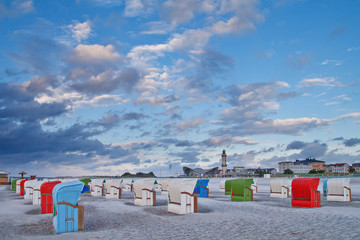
x: 302, y: 166
x: 328, y: 168
x: 341, y: 168
x: 356, y: 166
x: 4, y: 178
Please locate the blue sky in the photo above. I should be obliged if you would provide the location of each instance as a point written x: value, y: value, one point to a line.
x: 105, y: 87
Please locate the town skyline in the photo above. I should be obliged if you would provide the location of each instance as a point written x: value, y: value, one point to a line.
x: 106, y: 87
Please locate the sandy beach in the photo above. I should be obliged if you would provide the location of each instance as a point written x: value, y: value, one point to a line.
x: 218, y: 218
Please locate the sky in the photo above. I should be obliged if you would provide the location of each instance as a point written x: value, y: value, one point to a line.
x: 103, y: 87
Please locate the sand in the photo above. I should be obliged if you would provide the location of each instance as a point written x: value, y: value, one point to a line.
x: 218, y: 218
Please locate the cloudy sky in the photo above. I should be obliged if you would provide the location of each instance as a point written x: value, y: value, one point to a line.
x: 109, y: 86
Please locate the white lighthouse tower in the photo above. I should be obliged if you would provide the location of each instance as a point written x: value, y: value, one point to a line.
x: 223, y: 165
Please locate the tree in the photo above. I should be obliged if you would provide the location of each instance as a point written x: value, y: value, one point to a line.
x: 288, y: 171
x: 352, y: 170
x: 313, y: 171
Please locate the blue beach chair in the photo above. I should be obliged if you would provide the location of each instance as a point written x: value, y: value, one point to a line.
x: 201, y: 188
x: 68, y: 216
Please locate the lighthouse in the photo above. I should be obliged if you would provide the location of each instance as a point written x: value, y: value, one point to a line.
x: 223, y: 165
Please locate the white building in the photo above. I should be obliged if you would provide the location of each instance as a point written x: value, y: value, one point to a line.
x: 341, y: 168
x: 285, y: 165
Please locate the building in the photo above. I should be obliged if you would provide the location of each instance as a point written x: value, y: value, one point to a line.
x: 4, y: 178
x: 328, y: 168
x: 285, y: 165
x: 341, y: 168
x: 356, y: 166
x: 302, y: 166
x: 199, y: 172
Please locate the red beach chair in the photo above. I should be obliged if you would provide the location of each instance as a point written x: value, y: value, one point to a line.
x: 305, y: 193
x: 22, y: 187
x: 46, y: 196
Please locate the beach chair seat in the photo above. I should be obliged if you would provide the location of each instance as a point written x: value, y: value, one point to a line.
x: 339, y: 190
x: 241, y: 190
x: 182, y: 199
x: 68, y: 215
x: 144, y: 193
x: 279, y: 188
x: 305, y: 193
x: 113, y: 188
x: 22, y: 187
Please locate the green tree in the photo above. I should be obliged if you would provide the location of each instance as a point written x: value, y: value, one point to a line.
x: 288, y: 171
x: 351, y: 169
x: 313, y: 171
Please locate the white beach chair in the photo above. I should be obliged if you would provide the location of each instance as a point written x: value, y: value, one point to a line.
x: 36, y: 191
x: 113, y: 188
x: 222, y: 185
x: 279, y: 188
x: 339, y: 190
x: 144, y: 193
x: 127, y: 184
x: 157, y: 185
x: 165, y: 186
x: 181, y: 197
x: 254, y: 186
x: 97, y: 187
x: 18, y: 185
x: 29, y: 189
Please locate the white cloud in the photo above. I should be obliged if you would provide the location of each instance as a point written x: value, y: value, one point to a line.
x: 332, y: 62
x: 134, y: 8
x: 323, y: 82
x: 233, y: 25
x: 80, y: 31
x: 157, y: 27
x: 193, y: 123
x: 331, y: 103
x: 353, y: 49
x: 94, y: 53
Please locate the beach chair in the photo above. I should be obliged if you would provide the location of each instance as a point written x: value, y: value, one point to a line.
x: 181, y: 197
x: 36, y: 191
x: 29, y: 189
x: 144, y: 193
x: 241, y: 190
x: 17, y: 189
x: 279, y: 188
x: 254, y: 186
x: 222, y: 185
x: 127, y: 185
x: 157, y: 185
x: 305, y: 193
x: 22, y: 187
x: 201, y: 188
x: 13, y: 184
x: 68, y: 216
x: 325, y: 189
x: 339, y: 190
x: 113, y: 188
x: 165, y: 186
x: 97, y: 187
x: 46, y: 196
x: 228, y: 185
x: 86, y: 181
